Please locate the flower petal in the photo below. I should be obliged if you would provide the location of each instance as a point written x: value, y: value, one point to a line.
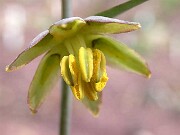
x: 93, y: 106
x: 38, y: 46
x: 120, y: 55
x: 66, y: 27
x: 44, y: 79
x: 105, y: 25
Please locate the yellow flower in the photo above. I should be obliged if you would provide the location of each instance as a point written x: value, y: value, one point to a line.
x: 77, y: 49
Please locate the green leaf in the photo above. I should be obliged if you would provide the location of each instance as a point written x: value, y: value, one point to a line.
x: 44, y: 79
x: 38, y: 46
x: 105, y: 25
x: 93, y: 106
x: 119, y: 9
x: 122, y: 56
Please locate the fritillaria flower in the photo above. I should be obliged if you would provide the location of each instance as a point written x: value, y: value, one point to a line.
x: 77, y: 49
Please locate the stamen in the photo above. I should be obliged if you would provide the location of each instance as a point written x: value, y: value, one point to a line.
x: 86, y: 63
x: 84, y: 69
x: 78, y: 90
x: 73, y: 69
x: 81, y: 41
x: 99, y: 78
x: 90, y: 92
x: 96, y: 65
x: 69, y: 47
x: 65, y: 72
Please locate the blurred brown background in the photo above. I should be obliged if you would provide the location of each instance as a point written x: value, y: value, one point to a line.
x: 132, y: 105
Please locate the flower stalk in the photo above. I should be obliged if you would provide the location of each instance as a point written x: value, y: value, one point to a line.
x: 66, y: 96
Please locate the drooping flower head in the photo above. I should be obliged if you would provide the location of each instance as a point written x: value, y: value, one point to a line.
x: 78, y: 49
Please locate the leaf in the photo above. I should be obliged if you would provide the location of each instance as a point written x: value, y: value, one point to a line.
x: 122, y: 56
x: 44, y: 79
x: 93, y: 106
x: 38, y: 46
x: 105, y: 25
x: 119, y: 9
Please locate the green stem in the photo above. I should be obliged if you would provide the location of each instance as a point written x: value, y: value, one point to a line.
x: 66, y: 100
x: 112, y: 12
x: 66, y: 103
x: 66, y: 8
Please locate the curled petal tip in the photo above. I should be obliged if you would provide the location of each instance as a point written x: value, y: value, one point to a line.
x: 96, y: 115
x: 149, y: 75
x: 7, y: 69
x: 139, y: 25
x: 33, y: 111
x: 10, y: 68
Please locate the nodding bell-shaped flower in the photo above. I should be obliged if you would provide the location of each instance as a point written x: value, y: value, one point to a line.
x: 78, y: 49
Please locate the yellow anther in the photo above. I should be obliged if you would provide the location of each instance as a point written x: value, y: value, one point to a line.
x: 99, y: 86
x: 99, y: 78
x: 78, y: 90
x: 86, y: 63
x: 90, y: 92
x: 73, y: 69
x: 65, y: 71
x: 71, y: 75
